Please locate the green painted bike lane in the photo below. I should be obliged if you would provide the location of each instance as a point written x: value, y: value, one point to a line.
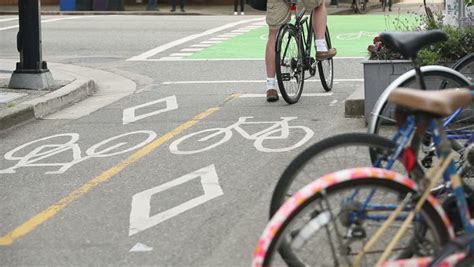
x: 351, y: 35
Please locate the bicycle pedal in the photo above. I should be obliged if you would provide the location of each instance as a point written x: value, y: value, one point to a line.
x: 286, y: 77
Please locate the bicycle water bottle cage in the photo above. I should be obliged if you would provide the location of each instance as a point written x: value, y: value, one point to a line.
x: 409, y: 43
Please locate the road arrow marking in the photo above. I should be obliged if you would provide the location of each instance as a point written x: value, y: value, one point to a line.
x: 139, y: 247
x: 140, y: 218
x: 129, y: 113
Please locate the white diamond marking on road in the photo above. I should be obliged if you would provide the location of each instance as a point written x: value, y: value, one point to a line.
x: 129, y: 113
x: 139, y: 247
x: 140, y: 218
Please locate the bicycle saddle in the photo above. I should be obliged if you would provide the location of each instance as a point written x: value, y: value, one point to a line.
x: 439, y: 103
x: 409, y: 43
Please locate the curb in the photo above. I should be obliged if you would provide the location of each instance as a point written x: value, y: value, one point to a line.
x: 47, y: 104
x: 354, y: 104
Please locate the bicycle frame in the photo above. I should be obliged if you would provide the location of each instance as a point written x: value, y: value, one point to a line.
x: 302, y: 23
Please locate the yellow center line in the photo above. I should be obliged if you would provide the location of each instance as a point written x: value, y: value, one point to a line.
x: 48, y: 213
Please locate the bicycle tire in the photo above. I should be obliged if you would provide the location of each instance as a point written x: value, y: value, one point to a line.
x: 329, y: 155
x: 326, y: 67
x: 465, y: 66
x: 289, y: 70
x: 383, y: 111
x: 284, y: 228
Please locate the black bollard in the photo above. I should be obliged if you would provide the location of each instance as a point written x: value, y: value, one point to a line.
x: 31, y: 72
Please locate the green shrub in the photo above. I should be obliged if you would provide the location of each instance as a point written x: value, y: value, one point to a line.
x: 460, y: 40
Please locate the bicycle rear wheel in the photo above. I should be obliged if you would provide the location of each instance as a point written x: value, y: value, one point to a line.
x: 289, y: 64
x: 328, y: 222
x: 382, y: 121
x: 326, y: 67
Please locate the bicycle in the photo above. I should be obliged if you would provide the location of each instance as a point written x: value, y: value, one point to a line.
x: 345, y: 209
x: 278, y: 130
x: 305, y: 161
x: 293, y: 56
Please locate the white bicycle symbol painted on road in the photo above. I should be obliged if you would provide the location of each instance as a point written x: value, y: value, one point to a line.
x: 36, y: 157
x: 355, y: 35
x: 278, y: 130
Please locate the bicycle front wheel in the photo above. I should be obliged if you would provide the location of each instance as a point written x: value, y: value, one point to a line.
x: 326, y: 67
x: 329, y: 222
x: 289, y: 64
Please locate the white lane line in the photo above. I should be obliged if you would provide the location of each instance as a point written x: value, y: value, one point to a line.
x: 167, y: 46
x: 211, y: 42
x: 192, y: 49
x: 9, y: 19
x: 180, y: 54
x: 169, y: 59
x: 250, y: 81
x: 219, y: 39
x: 43, y: 21
x: 333, y: 103
x: 264, y: 95
x: 240, y: 31
x: 200, y: 45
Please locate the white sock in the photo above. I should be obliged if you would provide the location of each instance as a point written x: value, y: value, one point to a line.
x: 321, y: 45
x: 271, y: 83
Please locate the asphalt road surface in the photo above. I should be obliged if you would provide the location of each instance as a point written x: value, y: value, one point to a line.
x: 131, y: 184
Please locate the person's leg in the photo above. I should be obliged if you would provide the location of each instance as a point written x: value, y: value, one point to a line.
x: 235, y: 6
x: 319, y: 26
x: 182, y: 3
x: 278, y: 13
x: 242, y: 7
x: 173, y: 5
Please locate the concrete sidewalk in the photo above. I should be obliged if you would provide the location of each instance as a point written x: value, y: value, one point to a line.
x: 73, y: 84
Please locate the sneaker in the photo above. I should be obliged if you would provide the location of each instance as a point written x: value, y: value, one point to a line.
x: 325, y: 55
x: 236, y: 13
x: 242, y: 13
x: 172, y: 10
x: 272, y: 95
x: 182, y: 10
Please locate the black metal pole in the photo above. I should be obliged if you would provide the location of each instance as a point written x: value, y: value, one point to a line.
x: 29, y: 38
x: 31, y: 72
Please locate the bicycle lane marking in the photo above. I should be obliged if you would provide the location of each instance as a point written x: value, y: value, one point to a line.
x: 144, y: 56
x: 52, y: 210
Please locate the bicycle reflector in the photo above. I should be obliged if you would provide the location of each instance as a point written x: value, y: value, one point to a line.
x: 408, y: 159
x: 293, y: 7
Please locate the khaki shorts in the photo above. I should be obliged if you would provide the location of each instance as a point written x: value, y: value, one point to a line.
x: 278, y: 11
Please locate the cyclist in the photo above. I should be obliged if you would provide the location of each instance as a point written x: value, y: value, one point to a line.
x: 278, y: 13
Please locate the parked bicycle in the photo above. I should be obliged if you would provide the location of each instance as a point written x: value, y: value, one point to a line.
x: 365, y: 216
x: 294, y: 56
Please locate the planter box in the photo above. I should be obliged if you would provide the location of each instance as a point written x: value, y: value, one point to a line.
x: 378, y: 74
